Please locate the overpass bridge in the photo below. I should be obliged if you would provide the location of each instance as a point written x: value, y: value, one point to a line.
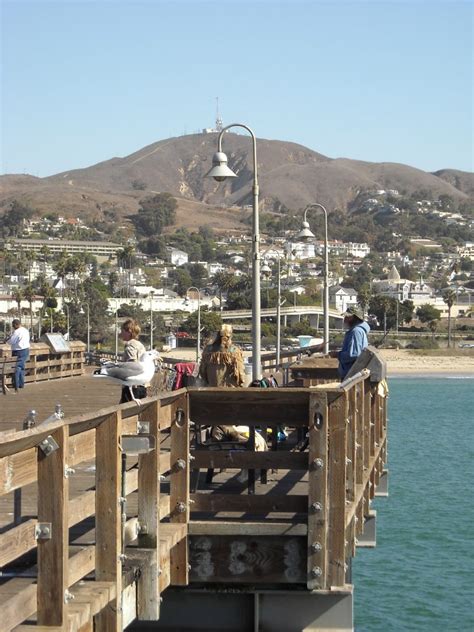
x: 289, y: 313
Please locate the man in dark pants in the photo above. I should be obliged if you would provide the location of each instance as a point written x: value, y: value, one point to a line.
x: 20, y: 344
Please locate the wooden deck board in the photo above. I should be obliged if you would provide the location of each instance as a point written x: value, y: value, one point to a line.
x: 77, y: 395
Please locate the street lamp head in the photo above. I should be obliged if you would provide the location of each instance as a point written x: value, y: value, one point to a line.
x: 305, y: 233
x: 220, y: 171
x: 265, y: 269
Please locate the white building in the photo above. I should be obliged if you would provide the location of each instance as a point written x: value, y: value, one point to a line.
x: 358, y: 250
x: 342, y: 297
x: 178, y: 257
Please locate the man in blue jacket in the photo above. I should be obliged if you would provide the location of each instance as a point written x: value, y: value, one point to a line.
x: 355, y: 339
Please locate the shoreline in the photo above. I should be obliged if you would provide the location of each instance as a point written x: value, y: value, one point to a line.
x: 400, y: 363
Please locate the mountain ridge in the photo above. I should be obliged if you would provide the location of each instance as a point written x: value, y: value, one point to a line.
x: 290, y: 175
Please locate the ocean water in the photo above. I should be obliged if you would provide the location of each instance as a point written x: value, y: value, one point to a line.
x: 420, y: 576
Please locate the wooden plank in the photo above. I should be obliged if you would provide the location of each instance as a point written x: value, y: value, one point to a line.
x: 214, y: 406
x: 242, y: 459
x: 318, y: 510
x: 338, y: 411
x: 254, y: 504
x: 108, y: 518
x: 165, y: 461
x: 148, y: 589
x: 179, y: 488
x: 17, y: 541
x: 53, y: 493
x: 267, y: 528
x: 359, y: 438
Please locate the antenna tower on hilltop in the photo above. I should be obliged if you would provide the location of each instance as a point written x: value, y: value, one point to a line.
x: 219, y: 125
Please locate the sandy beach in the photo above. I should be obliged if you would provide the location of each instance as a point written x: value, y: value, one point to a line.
x: 399, y: 362
x: 402, y: 362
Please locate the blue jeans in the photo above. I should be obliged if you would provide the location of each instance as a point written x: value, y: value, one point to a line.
x: 22, y: 356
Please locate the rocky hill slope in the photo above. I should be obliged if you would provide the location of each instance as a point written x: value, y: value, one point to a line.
x: 290, y: 174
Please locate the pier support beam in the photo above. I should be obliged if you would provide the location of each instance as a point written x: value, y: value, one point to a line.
x: 196, y: 610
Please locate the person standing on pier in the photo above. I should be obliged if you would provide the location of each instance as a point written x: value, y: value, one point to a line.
x: 222, y: 364
x: 355, y: 340
x: 20, y: 344
x: 132, y: 352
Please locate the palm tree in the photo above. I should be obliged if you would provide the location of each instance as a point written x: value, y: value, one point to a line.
x: 29, y: 295
x: 18, y: 296
x: 449, y: 297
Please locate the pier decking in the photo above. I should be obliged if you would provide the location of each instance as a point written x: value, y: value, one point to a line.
x: 113, y: 532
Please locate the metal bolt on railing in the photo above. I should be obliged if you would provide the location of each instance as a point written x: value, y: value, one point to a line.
x: 181, y: 464
x: 68, y: 596
x: 316, y: 547
x: 316, y: 507
x: 68, y: 471
x: 30, y: 420
x: 318, y: 464
x: 316, y: 571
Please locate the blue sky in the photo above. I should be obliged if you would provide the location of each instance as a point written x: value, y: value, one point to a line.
x: 378, y: 81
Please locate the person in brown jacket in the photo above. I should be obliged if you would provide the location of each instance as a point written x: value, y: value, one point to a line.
x: 222, y: 364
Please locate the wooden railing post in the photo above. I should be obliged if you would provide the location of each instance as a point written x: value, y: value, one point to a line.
x: 108, y: 510
x: 318, y: 510
x: 148, y: 602
x: 179, y: 488
x: 52, y: 530
x: 338, y: 412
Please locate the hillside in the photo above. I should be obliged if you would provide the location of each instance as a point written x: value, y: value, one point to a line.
x: 289, y: 174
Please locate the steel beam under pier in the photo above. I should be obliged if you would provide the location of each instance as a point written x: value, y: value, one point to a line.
x: 197, y: 610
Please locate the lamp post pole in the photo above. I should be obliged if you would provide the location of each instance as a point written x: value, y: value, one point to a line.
x: 220, y: 171
x: 278, y: 315
x: 198, y: 337
x: 151, y: 320
x: 116, y: 330
x: 88, y: 329
x: 66, y: 307
x: 306, y: 232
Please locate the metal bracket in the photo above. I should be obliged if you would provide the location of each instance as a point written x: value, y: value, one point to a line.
x: 141, y: 528
x: 68, y: 596
x: 180, y: 417
x: 43, y: 531
x: 138, y: 444
x: 48, y: 445
x: 68, y: 471
x: 143, y: 427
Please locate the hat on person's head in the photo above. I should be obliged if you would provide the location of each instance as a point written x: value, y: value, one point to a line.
x: 226, y: 330
x: 354, y: 310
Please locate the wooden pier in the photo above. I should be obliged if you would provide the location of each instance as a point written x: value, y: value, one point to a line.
x: 115, y: 531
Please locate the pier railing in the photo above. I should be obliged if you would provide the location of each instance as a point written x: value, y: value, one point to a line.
x: 44, y: 364
x: 125, y: 472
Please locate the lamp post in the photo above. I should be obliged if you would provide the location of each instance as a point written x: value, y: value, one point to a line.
x: 66, y: 307
x: 306, y: 233
x: 266, y: 269
x: 88, y: 325
x: 151, y: 320
x: 198, y: 341
x: 116, y: 329
x: 220, y: 171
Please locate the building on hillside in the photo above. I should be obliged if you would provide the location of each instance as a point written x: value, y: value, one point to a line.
x: 402, y: 289
x: 342, y: 297
x: 100, y: 249
x: 466, y: 251
x: 178, y: 257
x: 358, y: 250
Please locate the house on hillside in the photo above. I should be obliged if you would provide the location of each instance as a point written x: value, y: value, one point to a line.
x: 341, y: 297
x: 178, y: 257
x: 402, y: 289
